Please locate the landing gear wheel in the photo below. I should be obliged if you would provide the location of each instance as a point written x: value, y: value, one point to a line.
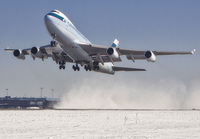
x: 87, y: 68
x: 96, y: 65
x: 75, y: 68
x: 96, y: 68
x: 62, y: 65
x: 53, y: 43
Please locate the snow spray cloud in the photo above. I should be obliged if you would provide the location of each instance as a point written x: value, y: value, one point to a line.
x: 118, y: 93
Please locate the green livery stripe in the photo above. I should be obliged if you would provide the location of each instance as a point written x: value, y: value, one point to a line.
x: 56, y: 16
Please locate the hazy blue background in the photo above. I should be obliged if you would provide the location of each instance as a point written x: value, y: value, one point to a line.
x: 172, y: 81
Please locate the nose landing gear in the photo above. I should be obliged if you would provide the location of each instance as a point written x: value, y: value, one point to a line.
x: 53, y: 43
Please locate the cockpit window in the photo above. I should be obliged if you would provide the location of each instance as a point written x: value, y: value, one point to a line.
x: 56, y: 16
x: 56, y: 11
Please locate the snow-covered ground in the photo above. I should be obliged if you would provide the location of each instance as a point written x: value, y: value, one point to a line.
x: 22, y: 124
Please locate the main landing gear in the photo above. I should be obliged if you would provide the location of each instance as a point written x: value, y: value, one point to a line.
x: 87, y: 68
x: 96, y: 65
x: 75, y: 67
x: 62, y: 65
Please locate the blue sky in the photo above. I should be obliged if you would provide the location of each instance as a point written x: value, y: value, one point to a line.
x: 143, y: 25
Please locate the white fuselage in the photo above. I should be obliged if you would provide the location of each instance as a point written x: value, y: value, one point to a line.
x: 66, y: 34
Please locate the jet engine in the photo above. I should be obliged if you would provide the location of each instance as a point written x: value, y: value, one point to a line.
x: 150, y: 56
x: 112, y: 53
x: 106, y: 68
x: 36, y: 52
x: 18, y: 54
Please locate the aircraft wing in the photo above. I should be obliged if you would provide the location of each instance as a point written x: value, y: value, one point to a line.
x: 139, y: 52
x: 24, y: 51
x: 28, y: 50
x: 42, y: 52
x: 174, y: 53
x: 92, y: 49
x: 131, y: 54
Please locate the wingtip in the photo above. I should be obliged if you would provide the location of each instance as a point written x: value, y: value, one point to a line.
x: 7, y: 48
x: 193, y: 51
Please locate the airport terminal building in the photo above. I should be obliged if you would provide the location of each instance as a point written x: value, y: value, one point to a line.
x: 9, y: 102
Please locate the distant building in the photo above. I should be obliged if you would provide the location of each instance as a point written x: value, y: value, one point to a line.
x: 24, y: 103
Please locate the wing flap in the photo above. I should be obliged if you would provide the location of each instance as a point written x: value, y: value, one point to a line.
x: 126, y: 69
x: 92, y: 49
x: 105, y: 59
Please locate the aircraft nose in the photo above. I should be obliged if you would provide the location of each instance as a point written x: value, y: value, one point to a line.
x: 47, y: 18
x: 49, y: 22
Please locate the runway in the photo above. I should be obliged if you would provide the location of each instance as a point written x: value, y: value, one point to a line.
x: 92, y: 123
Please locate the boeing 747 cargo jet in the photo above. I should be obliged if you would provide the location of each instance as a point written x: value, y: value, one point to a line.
x: 69, y: 45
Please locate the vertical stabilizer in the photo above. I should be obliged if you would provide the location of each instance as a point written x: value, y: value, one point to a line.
x: 115, y: 43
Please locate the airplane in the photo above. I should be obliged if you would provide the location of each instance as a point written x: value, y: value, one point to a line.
x: 68, y: 45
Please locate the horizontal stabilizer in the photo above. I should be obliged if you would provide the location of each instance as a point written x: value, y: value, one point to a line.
x: 126, y: 69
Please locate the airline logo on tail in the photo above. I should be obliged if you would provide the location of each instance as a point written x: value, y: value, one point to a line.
x: 115, y: 43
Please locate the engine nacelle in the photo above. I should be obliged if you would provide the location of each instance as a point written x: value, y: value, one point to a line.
x: 150, y: 56
x: 36, y: 52
x: 106, y: 68
x: 112, y: 53
x: 18, y: 54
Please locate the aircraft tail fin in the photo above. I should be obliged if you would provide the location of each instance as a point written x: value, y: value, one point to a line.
x: 115, y: 43
x: 126, y: 69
